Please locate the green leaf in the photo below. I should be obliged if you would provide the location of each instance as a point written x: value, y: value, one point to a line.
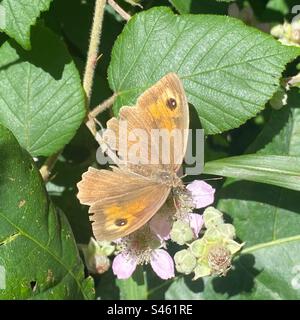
x: 182, y: 6
x: 106, y: 288
x: 278, y: 5
x: 281, y: 171
x: 71, y: 164
x: 20, y: 15
x: 277, y: 158
x: 261, y: 213
x: 281, y: 134
x: 134, y: 288
x: 277, y: 209
x: 37, y: 247
x: 41, y: 99
x: 182, y: 289
x: 73, y: 19
x: 229, y: 70
x: 196, y: 6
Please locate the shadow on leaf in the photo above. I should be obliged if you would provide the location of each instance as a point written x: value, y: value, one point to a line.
x: 261, y: 193
x: 45, y: 44
x: 240, y: 279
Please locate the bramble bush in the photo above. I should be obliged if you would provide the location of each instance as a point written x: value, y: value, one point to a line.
x: 67, y: 65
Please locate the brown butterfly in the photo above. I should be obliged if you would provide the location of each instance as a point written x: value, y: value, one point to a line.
x: 123, y: 199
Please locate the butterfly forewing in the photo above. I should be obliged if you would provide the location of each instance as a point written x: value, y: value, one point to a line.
x: 161, y: 119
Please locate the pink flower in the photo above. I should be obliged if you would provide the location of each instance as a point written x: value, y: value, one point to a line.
x: 123, y: 266
x: 161, y: 225
x: 196, y: 223
x: 161, y: 262
x: 202, y: 193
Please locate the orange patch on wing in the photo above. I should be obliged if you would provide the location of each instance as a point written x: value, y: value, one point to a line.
x: 166, y: 122
x: 127, y: 210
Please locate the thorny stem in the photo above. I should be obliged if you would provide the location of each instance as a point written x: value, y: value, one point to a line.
x: 119, y: 10
x: 92, y: 58
x: 88, y: 77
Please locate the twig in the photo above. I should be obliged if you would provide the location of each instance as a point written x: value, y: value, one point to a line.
x: 92, y: 58
x: 97, y: 110
x: 135, y: 4
x: 47, y: 167
x: 118, y: 9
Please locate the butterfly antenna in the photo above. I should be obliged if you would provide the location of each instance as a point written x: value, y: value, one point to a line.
x: 218, y: 178
x: 104, y: 146
x: 181, y: 177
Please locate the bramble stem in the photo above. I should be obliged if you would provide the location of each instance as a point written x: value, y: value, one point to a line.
x: 92, y: 57
x: 49, y: 164
x: 88, y: 77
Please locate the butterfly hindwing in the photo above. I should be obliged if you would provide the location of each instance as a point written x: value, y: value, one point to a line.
x: 120, y: 201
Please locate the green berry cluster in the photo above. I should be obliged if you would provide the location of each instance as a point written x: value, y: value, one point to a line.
x: 212, y: 253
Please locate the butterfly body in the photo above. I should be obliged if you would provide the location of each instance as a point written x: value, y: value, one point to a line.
x: 123, y: 199
x: 167, y: 178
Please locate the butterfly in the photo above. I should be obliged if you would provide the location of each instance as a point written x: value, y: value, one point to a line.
x: 125, y: 198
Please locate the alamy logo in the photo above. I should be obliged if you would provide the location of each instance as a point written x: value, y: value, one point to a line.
x: 2, y: 278
x: 296, y: 11
x: 155, y: 146
x: 2, y: 17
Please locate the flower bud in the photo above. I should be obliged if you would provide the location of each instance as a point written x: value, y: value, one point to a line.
x: 295, y: 34
x: 185, y: 262
x: 104, y: 246
x: 99, y: 264
x: 197, y: 248
x: 212, y: 217
x: 234, y: 246
x: 95, y: 255
x: 222, y: 231
x: 294, y: 81
x: 227, y: 230
x: 277, y: 31
x: 181, y: 232
x: 201, y: 271
x: 287, y: 33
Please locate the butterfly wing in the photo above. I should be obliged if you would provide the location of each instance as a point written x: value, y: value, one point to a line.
x: 120, y: 201
x: 163, y: 106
